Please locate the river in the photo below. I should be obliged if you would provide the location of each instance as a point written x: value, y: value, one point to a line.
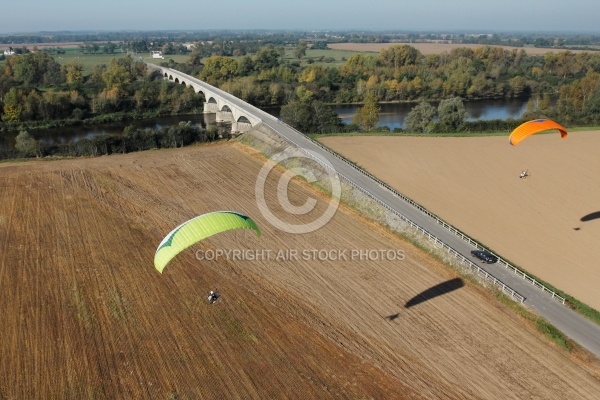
x: 391, y: 115
x: 68, y: 134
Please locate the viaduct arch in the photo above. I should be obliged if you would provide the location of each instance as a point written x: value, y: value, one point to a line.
x: 228, y: 108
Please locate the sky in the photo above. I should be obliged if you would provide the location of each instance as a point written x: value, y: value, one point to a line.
x: 28, y: 16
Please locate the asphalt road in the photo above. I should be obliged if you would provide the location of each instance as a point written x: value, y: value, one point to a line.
x: 581, y: 330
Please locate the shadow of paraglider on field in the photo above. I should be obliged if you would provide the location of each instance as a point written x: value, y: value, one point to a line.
x: 432, y: 292
x: 392, y: 317
x: 588, y: 217
x: 435, y: 291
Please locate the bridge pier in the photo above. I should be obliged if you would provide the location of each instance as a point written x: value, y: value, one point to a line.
x: 210, y: 118
x: 237, y: 128
x: 210, y: 108
x: 220, y: 107
x: 224, y: 116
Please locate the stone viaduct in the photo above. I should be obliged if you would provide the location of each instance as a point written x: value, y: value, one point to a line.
x: 228, y: 108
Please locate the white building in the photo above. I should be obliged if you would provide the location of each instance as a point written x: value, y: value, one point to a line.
x: 157, y: 54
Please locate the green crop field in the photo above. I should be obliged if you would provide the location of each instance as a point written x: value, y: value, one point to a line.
x: 325, y: 58
x: 178, y: 58
x: 89, y: 61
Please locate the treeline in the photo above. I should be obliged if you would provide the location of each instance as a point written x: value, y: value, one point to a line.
x: 402, y: 73
x: 450, y: 116
x: 282, y: 37
x: 260, y: 35
x: 35, y: 89
x: 132, y: 139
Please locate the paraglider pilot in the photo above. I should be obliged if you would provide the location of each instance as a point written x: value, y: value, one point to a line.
x: 213, y: 296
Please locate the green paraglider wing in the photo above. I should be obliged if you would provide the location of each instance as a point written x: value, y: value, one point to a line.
x: 197, y: 229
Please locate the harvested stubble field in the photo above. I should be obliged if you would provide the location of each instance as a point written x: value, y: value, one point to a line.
x: 85, y: 315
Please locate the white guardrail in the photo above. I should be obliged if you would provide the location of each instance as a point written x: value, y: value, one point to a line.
x: 441, y: 222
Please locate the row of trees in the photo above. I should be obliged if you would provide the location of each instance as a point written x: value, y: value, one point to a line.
x: 287, y: 36
x: 402, y: 73
x: 132, y: 139
x: 93, y: 48
x: 449, y: 116
x: 34, y: 87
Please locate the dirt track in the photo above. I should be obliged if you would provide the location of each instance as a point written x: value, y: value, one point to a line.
x: 85, y: 315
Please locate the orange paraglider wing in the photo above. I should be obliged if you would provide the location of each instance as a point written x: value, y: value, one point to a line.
x: 530, y: 127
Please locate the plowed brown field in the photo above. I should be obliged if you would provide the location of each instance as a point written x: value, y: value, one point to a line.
x: 86, y: 316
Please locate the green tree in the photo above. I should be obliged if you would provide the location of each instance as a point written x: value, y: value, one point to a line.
x: 37, y: 68
x: 276, y: 93
x: 452, y: 114
x: 325, y: 119
x: 218, y: 69
x: 460, y: 72
x: 245, y: 66
x: 420, y: 118
x: 319, y: 45
x: 109, y: 48
x: 168, y: 48
x: 297, y: 114
x: 266, y: 58
x: 195, y: 59
x: 27, y: 145
x: 95, y: 79
x: 74, y: 73
x: 311, y: 117
x: 399, y: 56
x: 116, y: 75
x: 367, y: 116
x: 12, y: 105
x: 300, y: 49
x: 55, y: 105
x: 32, y: 104
x: 518, y: 86
x: 24, y: 71
x: 304, y: 94
x: 592, y: 108
x: 122, y: 72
